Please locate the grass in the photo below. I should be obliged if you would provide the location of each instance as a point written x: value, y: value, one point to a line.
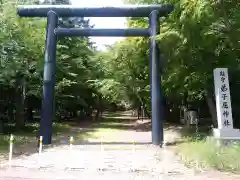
x: 60, y: 130
x: 208, y: 155
x: 198, y: 152
x: 27, y: 134
x: 108, y: 127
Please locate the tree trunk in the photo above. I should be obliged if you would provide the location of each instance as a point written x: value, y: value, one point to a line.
x: 139, y: 112
x: 11, y: 111
x: 1, y: 125
x: 20, y: 100
x: 30, y: 114
x: 212, y: 110
x: 97, y: 116
x: 147, y: 113
x: 99, y: 108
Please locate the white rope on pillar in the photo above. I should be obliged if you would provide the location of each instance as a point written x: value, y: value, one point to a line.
x: 71, y: 143
x: 71, y: 153
x: 40, y: 150
x: 10, y: 150
x: 40, y: 145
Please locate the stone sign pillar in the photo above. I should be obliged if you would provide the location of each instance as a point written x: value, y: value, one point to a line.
x: 225, y: 128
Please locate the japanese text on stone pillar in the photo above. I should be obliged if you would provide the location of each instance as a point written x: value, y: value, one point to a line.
x: 223, y: 100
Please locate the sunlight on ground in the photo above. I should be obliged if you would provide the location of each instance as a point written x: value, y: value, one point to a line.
x: 108, y: 134
x: 109, y: 138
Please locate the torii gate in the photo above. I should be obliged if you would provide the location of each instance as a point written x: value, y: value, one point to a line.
x: 52, y: 12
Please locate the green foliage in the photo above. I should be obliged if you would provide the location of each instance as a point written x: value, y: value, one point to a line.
x: 22, y: 44
x: 205, y: 154
x: 18, y: 44
x: 127, y: 71
x: 197, y: 37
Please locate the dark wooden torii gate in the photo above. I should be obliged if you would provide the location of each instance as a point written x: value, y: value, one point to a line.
x: 52, y: 12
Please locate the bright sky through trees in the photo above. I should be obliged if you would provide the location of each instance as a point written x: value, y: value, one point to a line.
x: 103, y: 22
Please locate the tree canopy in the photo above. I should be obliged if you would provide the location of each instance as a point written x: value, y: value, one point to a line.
x: 197, y: 37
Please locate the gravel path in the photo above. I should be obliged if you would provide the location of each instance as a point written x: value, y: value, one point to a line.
x: 117, y: 160
x: 89, y: 162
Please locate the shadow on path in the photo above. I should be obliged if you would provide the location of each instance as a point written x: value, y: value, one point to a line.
x: 116, y: 143
x: 121, y: 127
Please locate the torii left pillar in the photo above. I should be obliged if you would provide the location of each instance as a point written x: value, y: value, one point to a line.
x: 49, y: 78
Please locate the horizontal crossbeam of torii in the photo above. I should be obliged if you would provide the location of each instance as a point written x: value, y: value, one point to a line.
x: 75, y: 11
x: 53, y: 12
x: 102, y: 32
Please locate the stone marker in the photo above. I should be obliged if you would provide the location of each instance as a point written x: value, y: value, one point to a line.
x: 225, y: 128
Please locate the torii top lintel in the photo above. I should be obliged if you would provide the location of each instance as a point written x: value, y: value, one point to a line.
x: 74, y: 11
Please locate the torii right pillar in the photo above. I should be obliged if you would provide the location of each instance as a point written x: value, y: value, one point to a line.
x: 156, y: 92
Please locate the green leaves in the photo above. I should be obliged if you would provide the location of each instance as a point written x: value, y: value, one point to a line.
x: 22, y: 44
x: 197, y: 37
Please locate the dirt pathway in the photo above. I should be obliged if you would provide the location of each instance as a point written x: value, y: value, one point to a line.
x: 117, y: 158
